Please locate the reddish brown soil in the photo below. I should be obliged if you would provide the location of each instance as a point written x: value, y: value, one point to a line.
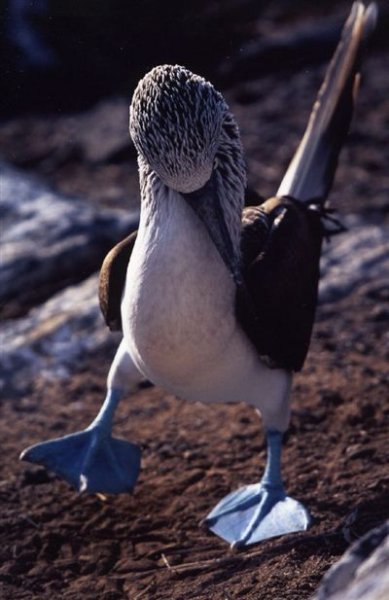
x: 55, y: 543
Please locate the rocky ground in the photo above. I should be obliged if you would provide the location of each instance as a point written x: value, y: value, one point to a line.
x: 149, y: 545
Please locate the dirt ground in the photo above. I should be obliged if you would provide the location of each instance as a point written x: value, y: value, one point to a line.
x: 149, y: 545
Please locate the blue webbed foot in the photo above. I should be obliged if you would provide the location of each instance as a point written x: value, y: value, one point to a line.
x: 256, y: 512
x: 91, y: 460
x: 260, y: 511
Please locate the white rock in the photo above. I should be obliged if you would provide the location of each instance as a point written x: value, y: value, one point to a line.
x: 363, y: 571
x: 47, y: 237
x: 353, y: 258
x: 54, y: 339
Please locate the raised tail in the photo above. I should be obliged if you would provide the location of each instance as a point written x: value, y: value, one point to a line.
x: 312, y: 169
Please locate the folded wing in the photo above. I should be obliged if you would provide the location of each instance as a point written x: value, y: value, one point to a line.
x: 112, y: 281
x: 281, y: 239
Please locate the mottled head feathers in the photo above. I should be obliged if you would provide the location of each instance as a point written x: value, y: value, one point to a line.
x: 176, y: 120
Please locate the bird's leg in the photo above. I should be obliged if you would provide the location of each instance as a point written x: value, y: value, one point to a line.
x: 92, y: 460
x: 256, y: 512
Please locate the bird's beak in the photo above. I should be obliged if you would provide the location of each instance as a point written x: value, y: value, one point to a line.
x: 206, y: 204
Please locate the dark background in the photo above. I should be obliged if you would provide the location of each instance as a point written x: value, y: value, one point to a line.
x: 60, y: 56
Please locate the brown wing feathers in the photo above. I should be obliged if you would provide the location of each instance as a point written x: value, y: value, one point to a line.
x: 282, y: 279
x: 112, y: 281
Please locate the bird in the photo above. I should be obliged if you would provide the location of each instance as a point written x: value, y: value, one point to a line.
x: 215, y: 300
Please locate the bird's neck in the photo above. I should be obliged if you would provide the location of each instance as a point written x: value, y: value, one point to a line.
x: 229, y: 170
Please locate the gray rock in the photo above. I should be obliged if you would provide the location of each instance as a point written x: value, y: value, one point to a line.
x: 354, y: 258
x: 54, y: 339
x: 363, y: 571
x: 50, y: 241
x: 102, y: 131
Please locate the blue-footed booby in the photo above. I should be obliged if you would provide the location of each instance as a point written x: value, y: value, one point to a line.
x: 216, y: 301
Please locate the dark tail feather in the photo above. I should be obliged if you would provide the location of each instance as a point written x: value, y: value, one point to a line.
x: 312, y: 169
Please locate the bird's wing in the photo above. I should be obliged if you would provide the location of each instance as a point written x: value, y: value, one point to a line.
x: 281, y: 243
x: 281, y: 239
x: 112, y: 281
x: 311, y: 172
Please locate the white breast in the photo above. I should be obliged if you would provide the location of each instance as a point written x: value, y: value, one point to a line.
x: 178, y: 306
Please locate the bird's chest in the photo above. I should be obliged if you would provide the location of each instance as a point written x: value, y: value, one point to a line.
x: 178, y: 306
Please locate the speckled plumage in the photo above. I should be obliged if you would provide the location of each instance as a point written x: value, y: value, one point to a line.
x: 175, y: 121
x: 183, y: 131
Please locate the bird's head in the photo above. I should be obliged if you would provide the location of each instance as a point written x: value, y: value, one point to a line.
x: 176, y: 119
x: 184, y: 132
